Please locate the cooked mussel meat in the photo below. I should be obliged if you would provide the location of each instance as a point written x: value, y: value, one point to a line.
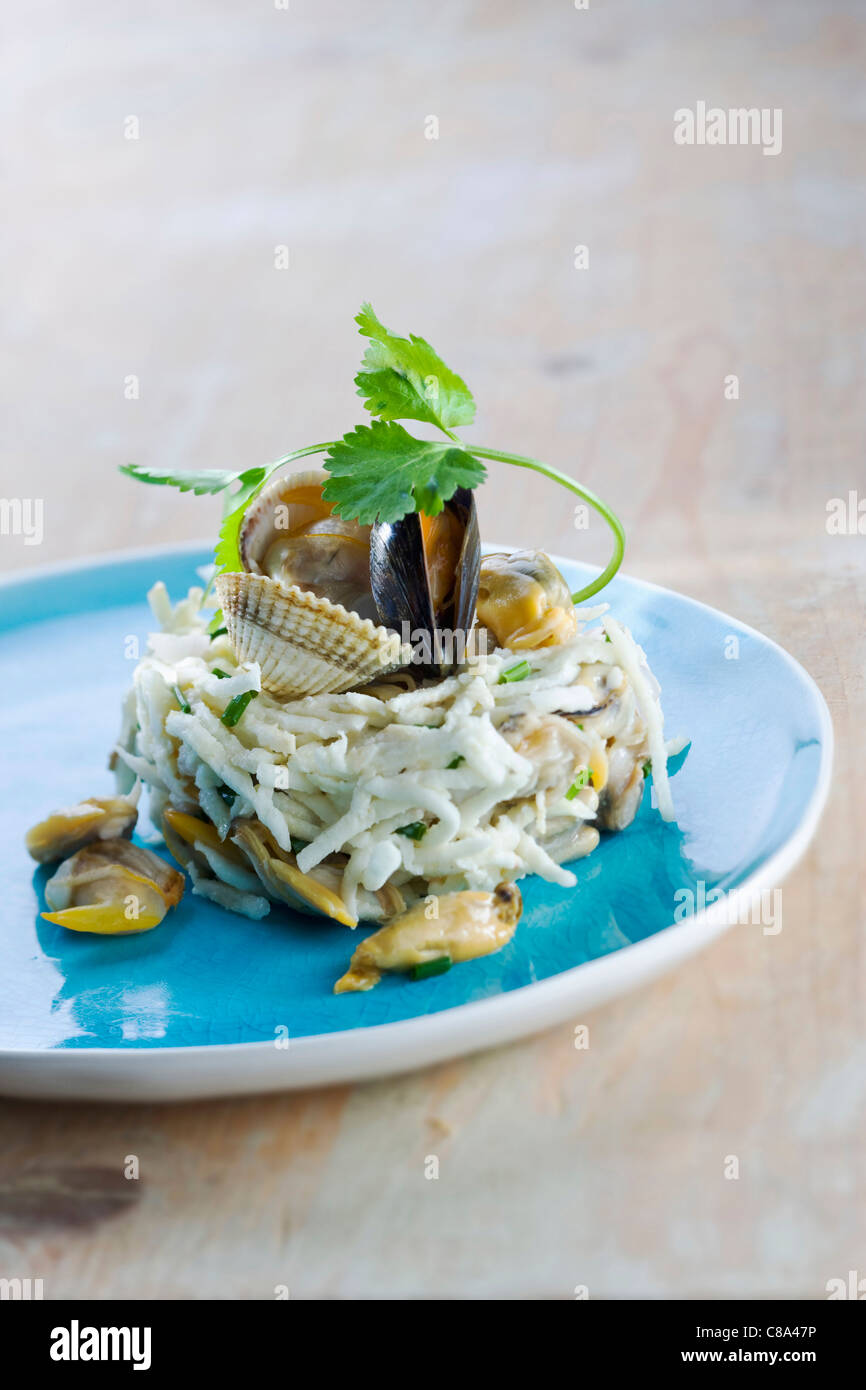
x: 524, y: 601
x: 465, y: 925
x: 283, y: 880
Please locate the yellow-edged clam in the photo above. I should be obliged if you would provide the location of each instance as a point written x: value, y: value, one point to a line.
x: 466, y: 925
x: 112, y: 888
x: 72, y: 827
x: 253, y: 847
x: 283, y: 880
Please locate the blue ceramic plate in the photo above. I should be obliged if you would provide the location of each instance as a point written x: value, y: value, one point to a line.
x: 210, y: 1003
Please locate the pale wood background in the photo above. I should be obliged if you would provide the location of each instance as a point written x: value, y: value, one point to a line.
x: 155, y: 257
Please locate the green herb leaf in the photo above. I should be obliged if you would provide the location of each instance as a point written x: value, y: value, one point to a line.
x: 200, y: 482
x: 184, y: 706
x: 215, y: 627
x: 385, y: 475
x: 251, y: 481
x: 380, y: 473
x: 236, y: 706
x: 227, y: 795
x: 604, y: 511
x: 647, y: 768
x: 416, y: 830
x: 220, y: 675
x: 515, y: 673
x: 404, y: 379
x: 431, y: 967
x: 580, y: 781
x: 227, y: 550
x: 455, y: 762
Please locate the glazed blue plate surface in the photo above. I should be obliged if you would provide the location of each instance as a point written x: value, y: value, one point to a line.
x: 753, y: 776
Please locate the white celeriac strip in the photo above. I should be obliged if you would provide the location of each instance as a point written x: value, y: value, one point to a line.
x: 247, y: 904
x: 345, y: 773
x: 633, y: 660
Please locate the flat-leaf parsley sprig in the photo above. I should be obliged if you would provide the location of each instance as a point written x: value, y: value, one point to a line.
x: 380, y: 472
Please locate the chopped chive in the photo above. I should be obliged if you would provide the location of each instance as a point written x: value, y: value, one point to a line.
x: 580, y: 726
x: 298, y: 845
x: 647, y: 768
x: 219, y: 632
x: 215, y: 626
x: 416, y: 830
x: 185, y: 708
x: 582, y: 778
x: 515, y: 673
x: 431, y: 967
x: 607, y: 637
x: 235, y: 708
x: 455, y: 762
x: 227, y: 795
x: 220, y: 675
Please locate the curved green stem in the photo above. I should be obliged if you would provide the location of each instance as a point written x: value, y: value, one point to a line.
x: 613, y: 521
x: 270, y: 468
x: 228, y: 554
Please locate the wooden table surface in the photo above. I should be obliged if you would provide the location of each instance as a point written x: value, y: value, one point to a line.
x: 154, y: 258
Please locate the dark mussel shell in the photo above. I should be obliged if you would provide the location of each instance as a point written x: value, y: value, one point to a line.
x: 401, y: 584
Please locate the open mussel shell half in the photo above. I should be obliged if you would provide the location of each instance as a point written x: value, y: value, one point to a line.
x: 305, y: 645
x: 424, y: 570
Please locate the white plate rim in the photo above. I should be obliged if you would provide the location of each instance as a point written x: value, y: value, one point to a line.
x: 385, y: 1049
